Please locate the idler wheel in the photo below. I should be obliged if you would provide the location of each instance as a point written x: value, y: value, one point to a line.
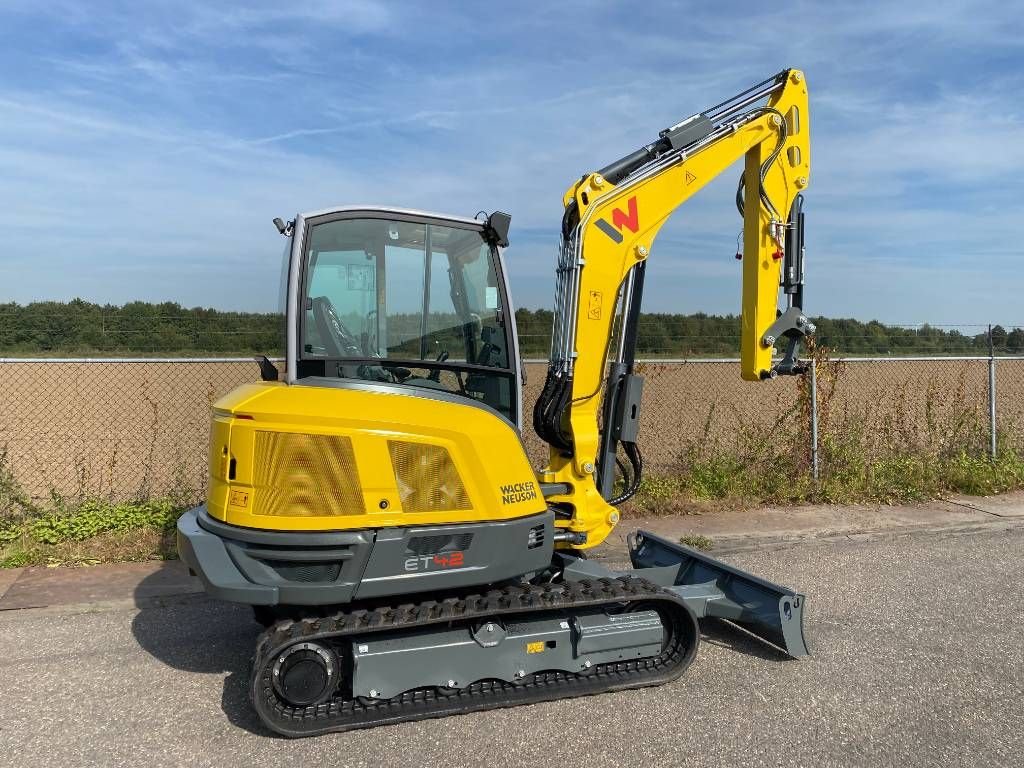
x: 305, y: 674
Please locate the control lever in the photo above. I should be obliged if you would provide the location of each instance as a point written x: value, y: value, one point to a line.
x: 435, y: 375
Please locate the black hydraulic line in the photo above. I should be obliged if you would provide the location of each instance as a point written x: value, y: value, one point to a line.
x: 549, y: 408
x: 570, y: 219
x: 629, y: 357
x: 678, y: 136
x: 690, y: 130
x: 607, y: 453
x: 636, y: 459
x: 632, y: 320
x: 624, y: 471
x: 559, y: 414
x: 793, y: 266
x: 626, y: 364
x: 539, y: 407
x: 730, y: 104
x: 765, y: 166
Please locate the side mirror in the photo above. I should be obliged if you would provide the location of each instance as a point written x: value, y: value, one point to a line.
x: 268, y: 371
x: 496, y: 228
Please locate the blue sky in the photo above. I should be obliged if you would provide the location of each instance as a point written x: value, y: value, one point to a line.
x: 145, y: 146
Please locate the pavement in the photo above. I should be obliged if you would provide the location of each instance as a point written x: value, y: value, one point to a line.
x: 915, y: 617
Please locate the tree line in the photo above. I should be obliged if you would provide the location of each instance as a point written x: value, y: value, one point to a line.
x: 80, y: 327
x: 83, y: 328
x: 719, y: 335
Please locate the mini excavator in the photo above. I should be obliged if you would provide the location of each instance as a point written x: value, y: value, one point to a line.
x: 374, y: 502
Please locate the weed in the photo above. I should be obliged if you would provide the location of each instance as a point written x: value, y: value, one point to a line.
x: 19, y: 558
x: 93, y: 517
x: 888, y: 447
x: 888, y: 444
x: 86, y: 529
x: 15, y: 504
x: 656, y: 489
x: 9, y: 531
x: 696, y: 541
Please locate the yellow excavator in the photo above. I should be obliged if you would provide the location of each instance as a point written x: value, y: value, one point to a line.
x: 373, y: 501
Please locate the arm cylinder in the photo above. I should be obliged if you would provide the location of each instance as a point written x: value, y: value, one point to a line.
x: 624, y: 166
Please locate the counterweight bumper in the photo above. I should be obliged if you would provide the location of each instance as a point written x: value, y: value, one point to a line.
x: 715, y: 589
x: 268, y: 567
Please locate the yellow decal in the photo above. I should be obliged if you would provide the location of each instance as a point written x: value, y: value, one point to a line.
x: 690, y: 178
x: 240, y: 499
x: 594, y: 310
x: 537, y: 647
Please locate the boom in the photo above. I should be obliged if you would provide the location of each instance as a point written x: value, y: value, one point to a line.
x: 611, y: 219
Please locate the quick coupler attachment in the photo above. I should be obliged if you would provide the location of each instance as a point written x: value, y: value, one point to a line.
x: 715, y: 589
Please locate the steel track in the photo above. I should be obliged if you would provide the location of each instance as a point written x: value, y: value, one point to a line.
x: 343, y: 714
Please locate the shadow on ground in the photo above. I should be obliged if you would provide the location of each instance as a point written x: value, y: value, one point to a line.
x: 194, y: 633
x: 725, y: 635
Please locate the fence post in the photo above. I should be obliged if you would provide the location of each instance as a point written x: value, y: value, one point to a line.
x: 814, y: 419
x: 991, y: 395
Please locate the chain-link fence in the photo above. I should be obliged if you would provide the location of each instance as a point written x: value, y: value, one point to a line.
x: 117, y: 428
x: 921, y: 406
x: 138, y: 427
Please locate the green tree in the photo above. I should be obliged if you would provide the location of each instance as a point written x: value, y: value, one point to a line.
x: 1015, y: 341
x: 999, y: 335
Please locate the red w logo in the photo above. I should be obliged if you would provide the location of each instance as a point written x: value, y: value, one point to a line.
x: 630, y: 219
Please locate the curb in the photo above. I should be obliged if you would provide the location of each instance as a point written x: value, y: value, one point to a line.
x: 39, y: 590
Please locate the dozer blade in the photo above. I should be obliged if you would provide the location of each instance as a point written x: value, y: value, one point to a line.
x: 713, y: 588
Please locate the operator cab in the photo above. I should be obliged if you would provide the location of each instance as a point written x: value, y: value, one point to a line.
x: 403, y: 298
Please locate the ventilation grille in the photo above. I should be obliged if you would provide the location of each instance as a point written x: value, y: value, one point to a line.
x: 427, y: 478
x: 305, y: 572
x: 436, y: 545
x: 306, y: 475
x: 535, y: 538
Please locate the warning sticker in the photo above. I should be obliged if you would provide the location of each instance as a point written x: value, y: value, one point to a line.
x: 536, y: 647
x: 690, y: 178
x: 239, y: 499
x: 594, y: 308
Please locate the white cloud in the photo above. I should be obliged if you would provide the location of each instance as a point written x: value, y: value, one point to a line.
x: 147, y: 159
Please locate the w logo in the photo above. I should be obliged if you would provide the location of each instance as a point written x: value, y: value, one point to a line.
x: 628, y: 218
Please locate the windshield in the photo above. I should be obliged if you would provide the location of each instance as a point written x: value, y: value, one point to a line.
x: 382, y: 295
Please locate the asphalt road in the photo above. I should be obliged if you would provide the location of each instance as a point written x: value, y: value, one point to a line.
x: 918, y: 645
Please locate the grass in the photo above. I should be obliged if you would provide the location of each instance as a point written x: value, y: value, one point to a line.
x: 721, y: 482
x: 912, y: 446
x: 89, y: 531
x: 83, y: 531
x: 696, y: 542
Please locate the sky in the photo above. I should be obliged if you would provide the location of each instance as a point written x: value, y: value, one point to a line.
x: 146, y: 146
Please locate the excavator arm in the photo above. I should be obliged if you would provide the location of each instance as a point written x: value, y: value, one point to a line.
x: 611, y: 220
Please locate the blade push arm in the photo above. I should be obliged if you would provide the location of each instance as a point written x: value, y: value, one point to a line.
x: 612, y: 218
